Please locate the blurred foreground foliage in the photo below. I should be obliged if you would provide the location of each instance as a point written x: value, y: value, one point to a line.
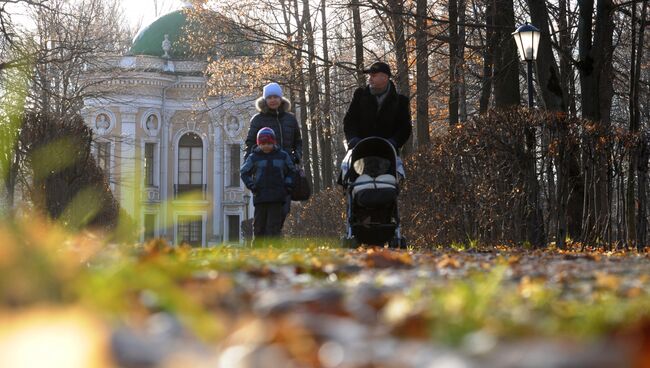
x: 210, y: 289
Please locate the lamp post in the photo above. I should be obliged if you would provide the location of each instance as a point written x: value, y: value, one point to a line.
x: 247, y: 201
x: 527, y: 39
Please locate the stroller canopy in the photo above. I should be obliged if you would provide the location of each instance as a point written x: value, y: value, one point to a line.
x: 377, y: 148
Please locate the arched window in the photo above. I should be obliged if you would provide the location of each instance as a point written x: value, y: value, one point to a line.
x: 190, y: 163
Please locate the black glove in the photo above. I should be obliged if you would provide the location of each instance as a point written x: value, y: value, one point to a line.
x: 353, y: 142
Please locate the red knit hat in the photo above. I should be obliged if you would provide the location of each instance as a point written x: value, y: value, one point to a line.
x: 265, y: 135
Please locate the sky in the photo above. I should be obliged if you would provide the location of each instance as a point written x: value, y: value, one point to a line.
x: 137, y: 12
x: 142, y: 12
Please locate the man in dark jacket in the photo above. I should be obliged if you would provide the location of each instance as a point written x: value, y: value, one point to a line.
x: 378, y: 110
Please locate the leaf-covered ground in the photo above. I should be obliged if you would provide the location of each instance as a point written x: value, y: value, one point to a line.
x: 311, y: 304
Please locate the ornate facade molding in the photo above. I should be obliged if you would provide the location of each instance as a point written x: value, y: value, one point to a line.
x: 102, y: 121
x: 151, y: 122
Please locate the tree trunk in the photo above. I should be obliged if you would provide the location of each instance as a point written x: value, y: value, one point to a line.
x: 10, y: 182
x: 603, y: 42
x: 328, y: 172
x: 460, y: 67
x: 566, y: 71
x: 597, y: 91
x: 586, y: 64
x: 575, y: 190
x: 402, y: 77
x: 422, y: 61
x: 548, y: 75
x: 358, y: 42
x: 304, y: 130
x: 642, y: 171
x: 314, y: 98
x: 553, y: 98
x: 506, y: 61
x: 534, y: 218
x: 488, y: 61
x: 634, y: 127
x: 562, y: 164
x: 453, y: 62
x: 641, y: 161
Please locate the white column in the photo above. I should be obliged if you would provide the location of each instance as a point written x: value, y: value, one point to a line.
x: 127, y: 166
x: 165, y: 167
x: 217, y: 210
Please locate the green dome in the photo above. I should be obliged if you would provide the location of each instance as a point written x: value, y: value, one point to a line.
x: 149, y: 39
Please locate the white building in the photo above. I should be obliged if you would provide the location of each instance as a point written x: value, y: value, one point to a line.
x: 158, y: 140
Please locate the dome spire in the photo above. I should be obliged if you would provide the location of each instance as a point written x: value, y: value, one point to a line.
x: 166, y: 46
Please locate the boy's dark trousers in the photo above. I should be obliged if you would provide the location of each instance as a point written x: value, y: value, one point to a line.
x: 268, y: 219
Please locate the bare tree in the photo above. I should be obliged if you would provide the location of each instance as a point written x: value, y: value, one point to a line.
x: 595, y: 52
x: 422, y: 62
x: 71, y: 37
x: 488, y: 51
x: 297, y: 89
x: 68, y: 37
x: 452, y: 5
x: 328, y: 171
x: 506, y: 62
x: 639, y: 160
x: 358, y: 42
x: 314, y: 98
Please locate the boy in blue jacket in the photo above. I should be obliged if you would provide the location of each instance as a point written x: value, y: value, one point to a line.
x: 268, y: 172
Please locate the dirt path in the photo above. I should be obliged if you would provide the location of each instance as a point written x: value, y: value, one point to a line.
x: 322, y: 307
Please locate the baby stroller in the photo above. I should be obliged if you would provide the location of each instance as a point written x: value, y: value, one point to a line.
x: 370, y: 175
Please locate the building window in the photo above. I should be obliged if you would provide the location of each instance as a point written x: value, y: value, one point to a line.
x: 104, y: 158
x: 190, y: 163
x: 233, y: 228
x: 149, y: 226
x: 235, y: 163
x: 149, y: 163
x: 190, y: 230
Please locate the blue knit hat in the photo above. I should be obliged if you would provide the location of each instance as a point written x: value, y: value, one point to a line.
x: 272, y: 89
x: 265, y: 135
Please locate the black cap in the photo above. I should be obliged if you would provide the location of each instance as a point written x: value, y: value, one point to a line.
x: 378, y: 67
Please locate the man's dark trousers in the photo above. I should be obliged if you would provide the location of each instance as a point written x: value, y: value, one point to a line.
x: 268, y: 219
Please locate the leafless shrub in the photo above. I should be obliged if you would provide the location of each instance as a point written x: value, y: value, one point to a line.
x: 63, y: 179
x: 470, y: 185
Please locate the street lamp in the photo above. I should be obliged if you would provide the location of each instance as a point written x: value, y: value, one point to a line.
x: 527, y: 39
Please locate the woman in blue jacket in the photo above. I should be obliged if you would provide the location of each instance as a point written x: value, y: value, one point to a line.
x: 273, y: 111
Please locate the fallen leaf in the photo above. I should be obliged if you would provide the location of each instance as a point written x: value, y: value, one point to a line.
x: 448, y: 262
x: 608, y: 281
x: 387, y: 258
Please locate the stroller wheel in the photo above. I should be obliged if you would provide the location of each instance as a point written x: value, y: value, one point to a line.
x: 349, y: 242
x: 397, y: 242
